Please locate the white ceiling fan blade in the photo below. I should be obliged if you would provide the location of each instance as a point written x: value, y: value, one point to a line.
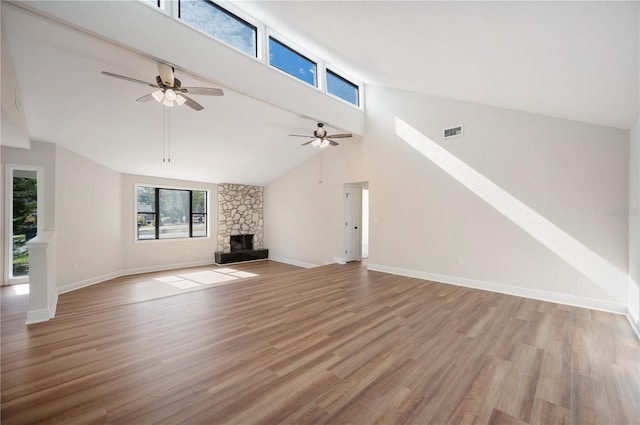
x: 133, y: 80
x: 166, y: 74
x: 207, y: 91
x: 145, y: 98
x: 192, y: 103
x: 300, y: 135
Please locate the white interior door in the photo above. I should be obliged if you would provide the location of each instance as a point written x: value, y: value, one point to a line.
x: 353, y: 222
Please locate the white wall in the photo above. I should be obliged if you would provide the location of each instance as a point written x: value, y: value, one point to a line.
x: 304, y: 218
x: 13, y: 127
x: 14, y: 121
x: 92, y: 210
x: 3, y: 241
x: 88, y: 220
x: 634, y: 223
x: 153, y: 255
x: 422, y: 220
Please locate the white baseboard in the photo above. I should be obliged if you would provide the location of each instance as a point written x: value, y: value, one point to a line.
x: 519, y: 291
x: 53, y: 306
x: 88, y: 282
x: 43, y: 314
x: 293, y: 262
x: 128, y: 272
x: 339, y: 260
x: 37, y: 316
x: 634, y: 324
x: 163, y: 267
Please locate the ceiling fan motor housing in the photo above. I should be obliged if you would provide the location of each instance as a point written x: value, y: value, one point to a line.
x: 320, y: 132
x: 176, y: 83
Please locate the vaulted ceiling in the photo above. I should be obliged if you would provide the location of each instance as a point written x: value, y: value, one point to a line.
x: 574, y: 60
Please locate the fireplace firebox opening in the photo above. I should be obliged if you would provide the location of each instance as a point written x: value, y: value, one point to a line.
x: 241, y: 242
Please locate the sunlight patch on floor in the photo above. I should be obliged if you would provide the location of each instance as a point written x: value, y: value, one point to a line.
x: 22, y: 289
x: 184, y: 284
x: 243, y: 274
x: 207, y: 277
x: 201, y: 279
x: 169, y: 279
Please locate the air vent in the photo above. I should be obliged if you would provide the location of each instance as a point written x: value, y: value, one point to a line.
x: 452, y: 132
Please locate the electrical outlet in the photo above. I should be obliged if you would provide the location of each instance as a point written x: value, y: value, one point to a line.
x: 460, y: 261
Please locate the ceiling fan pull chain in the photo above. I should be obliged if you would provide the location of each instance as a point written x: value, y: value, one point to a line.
x: 164, y: 134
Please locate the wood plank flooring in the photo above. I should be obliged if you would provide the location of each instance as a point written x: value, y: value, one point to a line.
x: 331, y: 345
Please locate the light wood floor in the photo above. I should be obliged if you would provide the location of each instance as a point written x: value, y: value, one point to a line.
x: 331, y: 345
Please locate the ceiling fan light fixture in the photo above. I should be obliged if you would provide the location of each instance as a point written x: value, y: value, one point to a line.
x: 169, y: 94
x: 180, y: 100
x: 316, y: 143
x: 167, y: 102
x: 324, y: 143
x: 158, y: 95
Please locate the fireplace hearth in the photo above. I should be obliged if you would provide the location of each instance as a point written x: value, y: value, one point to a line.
x: 241, y: 250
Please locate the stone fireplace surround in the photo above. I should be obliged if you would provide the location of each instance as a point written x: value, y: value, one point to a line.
x: 239, y: 213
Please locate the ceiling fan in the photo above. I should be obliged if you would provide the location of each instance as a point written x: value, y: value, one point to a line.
x: 170, y: 91
x: 320, y: 138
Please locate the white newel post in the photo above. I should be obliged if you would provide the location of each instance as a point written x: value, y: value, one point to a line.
x: 43, y: 296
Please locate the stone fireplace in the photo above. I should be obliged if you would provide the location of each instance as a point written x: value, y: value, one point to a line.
x: 239, y: 215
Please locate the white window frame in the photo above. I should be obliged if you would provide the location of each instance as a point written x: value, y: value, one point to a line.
x: 301, y: 51
x: 165, y: 6
x: 8, y: 193
x: 229, y: 7
x: 353, y: 81
x: 263, y: 35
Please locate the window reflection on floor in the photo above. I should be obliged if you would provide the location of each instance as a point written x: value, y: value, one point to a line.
x: 204, y: 278
x: 22, y: 289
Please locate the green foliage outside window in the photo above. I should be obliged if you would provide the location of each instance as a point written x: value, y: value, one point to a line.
x: 171, y: 213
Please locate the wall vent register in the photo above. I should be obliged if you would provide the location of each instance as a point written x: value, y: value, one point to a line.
x: 452, y: 132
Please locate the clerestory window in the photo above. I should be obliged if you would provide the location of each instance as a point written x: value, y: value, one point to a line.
x: 220, y: 24
x: 342, y: 88
x: 293, y: 63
